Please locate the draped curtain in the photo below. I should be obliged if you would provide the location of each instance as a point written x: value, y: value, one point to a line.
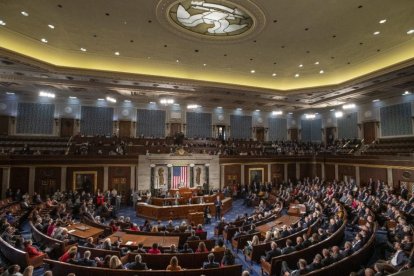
x: 35, y: 118
x: 151, y: 123
x: 241, y: 126
x: 277, y: 129
x: 96, y: 120
x: 198, y: 125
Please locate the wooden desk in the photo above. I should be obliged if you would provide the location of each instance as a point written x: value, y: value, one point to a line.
x: 296, y: 209
x: 159, y: 201
x: 154, y: 212
x: 197, y: 218
x: 131, y: 240
x: 278, y: 223
x: 84, y: 231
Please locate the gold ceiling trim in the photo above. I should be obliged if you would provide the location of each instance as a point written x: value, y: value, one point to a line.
x: 75, y: 60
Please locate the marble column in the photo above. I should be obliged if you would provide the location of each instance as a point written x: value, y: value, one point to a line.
x: 5, y: 182
x: 132, y: 184
x: 242, y: 175
x: 63, y: 176
x: 269, y: 173
x: 32, y: 172
x: 390, y: 179
x: 105, y: 178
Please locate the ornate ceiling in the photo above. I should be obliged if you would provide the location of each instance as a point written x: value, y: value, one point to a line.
x: 295, y: 55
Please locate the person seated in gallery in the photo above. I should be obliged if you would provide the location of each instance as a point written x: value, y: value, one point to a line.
x: 273, y: 252
x: 154, y: 250
x: 137, y: 264
x: 193, y: 236
x: 186, y: 249
x: 210, y: 263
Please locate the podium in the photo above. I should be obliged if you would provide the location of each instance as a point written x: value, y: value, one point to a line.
x: 196, y: 218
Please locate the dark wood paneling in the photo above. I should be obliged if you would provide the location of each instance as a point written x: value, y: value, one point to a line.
x: 119, y: 178
x: 317, y: 169
x: 47, y: 180
x: 66, y: 127
x: 1, y: 181
x: 259, y: 166
x: 4, y: 125
x: 400, y: 175
x: 98, y: 170
x: 305, y: 170
x: 292, y: 171
x: 277, y: 172
x: 232, y: 174
x: 125, y: 129
x: 344, y: 170
x: 19, y: 179
x: 329, y: 172
x: 365, y: 173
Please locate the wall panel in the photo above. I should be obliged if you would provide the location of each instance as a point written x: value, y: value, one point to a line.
x: 345, y: 170
x: 19, y: 179
x: 365, y: 173
x: 232, y: 174
x: 329, y: 172
x: 277, y: 173
x: 47, y: 180
x: 292, y: 171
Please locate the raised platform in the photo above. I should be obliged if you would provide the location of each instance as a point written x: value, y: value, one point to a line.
x: 155, y: 212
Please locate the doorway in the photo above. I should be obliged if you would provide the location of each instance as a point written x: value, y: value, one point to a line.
x: 260, y: 134
x: 293, y: 134
x: 221, y: 132
x: 124, y: 129
x: 370, y: 133
x: 175, y: 128
x: 66, y: 127
x: 330, y: 135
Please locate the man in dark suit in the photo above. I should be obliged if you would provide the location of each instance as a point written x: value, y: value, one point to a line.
x: 357, y: 243
x: 396, y: 262
x: 327, y: 259
x: 274, y: 252
x: 347, y: 249
x: 316, y: 264
x: 138, y: 264
x: 193, y: 236
x: 86, y: 261
x: 218, y: 204
x: 211, y: 263
x: 289, y: 248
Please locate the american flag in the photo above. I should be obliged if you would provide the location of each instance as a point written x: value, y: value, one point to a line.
x: 179, y: 176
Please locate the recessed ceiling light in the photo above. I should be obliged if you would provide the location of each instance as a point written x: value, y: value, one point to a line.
x: 127, y: 101
x: 290, y: 113
x: 297, y: 75
x: 51, y: 26
x: 252, y: 71
x: 151, y: 102
x: 348, y: 106
x: 148, y: 57
x: 177, y: 61
x: 274, y: 75
x: 72, y: 97
x: 193, y: 106
x: 300, y: 65
x: 410, y: 31
x: 377, y: 33
x: 376, y: 100
x: 117, y: 53
x: 83, y: 49
x: 25, y: 13
x: 9, y: 93
x: 383, y: 21
x: 339, y: 114
x: 332, y: 110
x: 317, y: 63
x: 238, y: 109
x: 277, y: 112
x: 257, y: 110
x: 219, y: 107
x: 321, y: 72
x: 46, y: 94
x: 2, y: 23
x: 406, y: 93
x: 100, y: 99
x: 44, y: 40
x: 205, y: 64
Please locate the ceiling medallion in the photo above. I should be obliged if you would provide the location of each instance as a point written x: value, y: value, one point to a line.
x: 216, y: 20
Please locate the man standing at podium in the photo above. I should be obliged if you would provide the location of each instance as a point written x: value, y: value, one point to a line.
x: 218, y: 205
